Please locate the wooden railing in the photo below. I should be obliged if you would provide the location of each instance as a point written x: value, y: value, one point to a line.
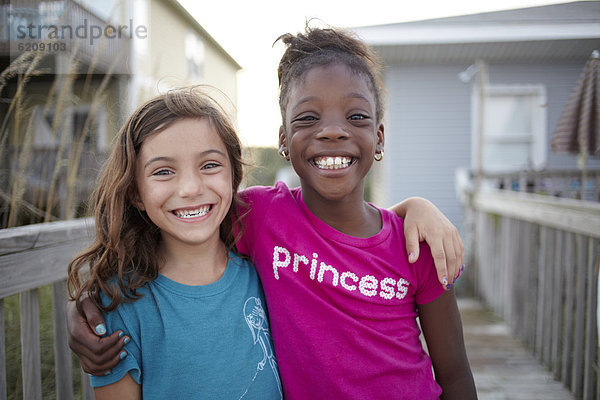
x: 534, y: 260
x: 570, y: 184
x: 31, y: 257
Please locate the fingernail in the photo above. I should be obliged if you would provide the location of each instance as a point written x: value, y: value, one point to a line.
x: 100, y: 329
x: 121, y: 334
x: 411, y: 257
x: 122, y: 355
x: 454, y: 281
x: 448, y: 287
x: 127, y: 340
x: 107, y: 373
x: 463, y: 267
x: 445, y: 281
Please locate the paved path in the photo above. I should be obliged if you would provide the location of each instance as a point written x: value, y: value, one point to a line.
x: 502, y: 367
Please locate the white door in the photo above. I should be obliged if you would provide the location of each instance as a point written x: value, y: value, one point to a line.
x: 513, y: 128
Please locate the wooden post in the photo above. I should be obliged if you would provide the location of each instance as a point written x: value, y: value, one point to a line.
x: 567, y: 350
x: 591, y: 334
x: 62, y: 353
x: 3, y: 387
x: 539, y: 346
x: 557, y: 303
x: 30, y: 345
x: 578, y: 342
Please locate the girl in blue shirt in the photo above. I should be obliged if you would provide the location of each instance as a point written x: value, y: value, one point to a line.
x: 162, y: 267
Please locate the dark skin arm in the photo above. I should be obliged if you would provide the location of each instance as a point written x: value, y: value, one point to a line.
x: 423, y: 222
x: 442, y: 329
x: 97, y: 354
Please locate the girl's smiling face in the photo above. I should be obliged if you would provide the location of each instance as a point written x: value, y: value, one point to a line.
x: 331, y: 133
x: 184, y: 182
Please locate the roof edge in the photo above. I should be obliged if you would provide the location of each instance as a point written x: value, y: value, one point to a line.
x: 480, y: 33
x: 185, y: 13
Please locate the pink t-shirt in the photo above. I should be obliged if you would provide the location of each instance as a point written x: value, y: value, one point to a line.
x: 342, y: 309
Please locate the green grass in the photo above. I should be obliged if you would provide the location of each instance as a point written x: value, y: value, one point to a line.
x: 14, y: 378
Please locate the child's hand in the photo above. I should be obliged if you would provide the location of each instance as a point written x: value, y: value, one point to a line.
x: 97, y: 354
x: 423, y: 221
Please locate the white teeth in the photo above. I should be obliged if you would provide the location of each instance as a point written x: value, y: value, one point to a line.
x: 333, y: 162
x: 192, y: 213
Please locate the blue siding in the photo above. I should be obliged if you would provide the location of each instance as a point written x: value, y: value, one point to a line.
x: 559, y: 78
x: 429, y: 118
x: 428, y: 125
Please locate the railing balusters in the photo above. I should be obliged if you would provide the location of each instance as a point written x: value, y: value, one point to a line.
x: 31, y: 363
x: 539, y: 343
x: 579, y: 317
x: 567, y: 350
x: 591, y: 337
x: 3, y: 387
x: 557, y: 303
x: 536, y: 263
x: 548, y: 314
x: 62, y: 354
x: 33, y: 256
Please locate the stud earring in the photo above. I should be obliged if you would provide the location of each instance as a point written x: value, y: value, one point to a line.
x: 378, y: 156
x: 284, y: 155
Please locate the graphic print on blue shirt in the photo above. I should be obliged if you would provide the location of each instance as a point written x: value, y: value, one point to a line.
x: 256, y: 318
x: 198, y: 342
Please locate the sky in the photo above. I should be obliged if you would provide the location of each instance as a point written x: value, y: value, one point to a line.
x: 246, y: 29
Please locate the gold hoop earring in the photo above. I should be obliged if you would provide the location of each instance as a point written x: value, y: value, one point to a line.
x: 378, y: 156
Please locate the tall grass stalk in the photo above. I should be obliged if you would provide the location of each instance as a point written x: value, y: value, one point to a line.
x: 79, y: 142
x: 17, y: 107
x: 64, y: 126
x: 27, y: 203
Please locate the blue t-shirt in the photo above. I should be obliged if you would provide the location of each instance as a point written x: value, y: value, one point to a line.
x: 198, y: 342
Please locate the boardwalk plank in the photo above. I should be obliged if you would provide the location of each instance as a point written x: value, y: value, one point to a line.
x: 502, y: 366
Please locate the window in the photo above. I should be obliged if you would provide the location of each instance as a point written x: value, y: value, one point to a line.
x: 194, y: 57
x: 94, y: 137
x: 513, y: 128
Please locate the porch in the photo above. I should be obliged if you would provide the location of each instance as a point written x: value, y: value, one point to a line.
x: 530, y: 329
x: 533, y: 261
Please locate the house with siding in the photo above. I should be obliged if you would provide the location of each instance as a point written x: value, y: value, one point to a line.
x: 172, y: 50
x: 439, y: 120
x: 95, y: 62
x: 178, y: 51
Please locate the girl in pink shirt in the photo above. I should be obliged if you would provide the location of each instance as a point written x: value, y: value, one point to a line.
x: 342, y: 296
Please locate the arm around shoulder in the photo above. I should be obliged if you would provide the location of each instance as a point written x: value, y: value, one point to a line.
x: 423, y: 221
x: 97, y: 353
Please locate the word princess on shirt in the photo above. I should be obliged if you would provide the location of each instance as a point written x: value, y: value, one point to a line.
x: 367, y: 285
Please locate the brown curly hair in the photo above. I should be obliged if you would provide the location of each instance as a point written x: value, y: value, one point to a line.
x: 323, y: 46
x: 126, y: 239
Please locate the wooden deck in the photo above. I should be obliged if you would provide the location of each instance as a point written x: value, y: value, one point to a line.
x: 503, y: 368
x: 535, y: 262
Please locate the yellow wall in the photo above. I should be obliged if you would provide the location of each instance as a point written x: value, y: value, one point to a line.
x: 164, y: 66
